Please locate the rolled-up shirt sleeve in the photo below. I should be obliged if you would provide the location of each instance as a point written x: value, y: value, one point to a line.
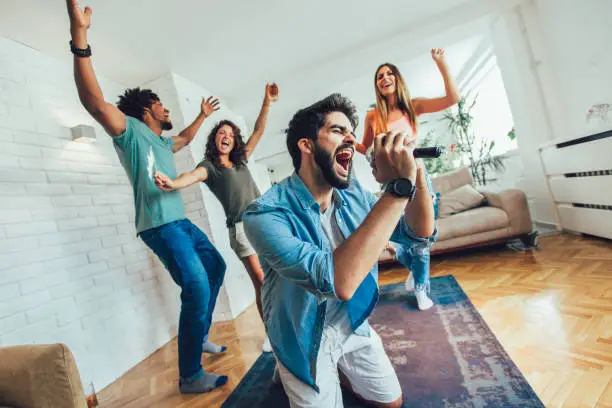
x: 304, y: 263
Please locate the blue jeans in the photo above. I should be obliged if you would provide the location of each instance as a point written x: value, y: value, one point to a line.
x: 417, y: 258
x: 198, y: 268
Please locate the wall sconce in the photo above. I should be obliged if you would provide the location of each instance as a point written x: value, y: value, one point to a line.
x: 83, y: 134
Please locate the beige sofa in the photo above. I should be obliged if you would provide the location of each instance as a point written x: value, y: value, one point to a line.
x: 504, y: 216
x: 40, y: 376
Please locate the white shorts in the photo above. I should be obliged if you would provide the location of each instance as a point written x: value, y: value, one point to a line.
x: 239, y: 241
x: 361, y: 359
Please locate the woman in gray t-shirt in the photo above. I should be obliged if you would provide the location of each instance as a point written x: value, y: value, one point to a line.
x: 224, y: 170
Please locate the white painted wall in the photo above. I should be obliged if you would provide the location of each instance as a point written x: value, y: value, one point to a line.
x: 71, y: 267
x: 551, y: 60
x: 514, y: 52
x: 279, y: 165
x: 575, y: 70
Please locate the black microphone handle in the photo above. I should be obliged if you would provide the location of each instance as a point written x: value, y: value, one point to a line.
x: 427, y: 152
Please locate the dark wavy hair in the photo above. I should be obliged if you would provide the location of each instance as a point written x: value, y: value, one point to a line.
x: 134, y: 101
x: 238, y: 153
x: 307, y: 122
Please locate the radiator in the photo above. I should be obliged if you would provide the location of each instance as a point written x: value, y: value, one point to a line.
x: 579, y: 176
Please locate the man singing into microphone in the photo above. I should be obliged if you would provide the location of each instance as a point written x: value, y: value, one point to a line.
x: 318, y: 235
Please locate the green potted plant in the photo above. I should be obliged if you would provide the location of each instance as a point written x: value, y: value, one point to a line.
x: 478, y: 152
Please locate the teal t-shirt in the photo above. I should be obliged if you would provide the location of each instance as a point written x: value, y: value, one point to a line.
x: 141, y: 153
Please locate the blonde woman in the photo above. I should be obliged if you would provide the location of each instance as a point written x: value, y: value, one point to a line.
x: 396, y: 110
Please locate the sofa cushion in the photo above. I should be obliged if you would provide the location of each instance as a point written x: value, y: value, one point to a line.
x: 472, y: 221
x: 40, y: 376
x: 462, y: 199
x: 451, y: 181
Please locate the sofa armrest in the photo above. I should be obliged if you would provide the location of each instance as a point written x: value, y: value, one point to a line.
x: 514, y: 204
x: 37, y: 376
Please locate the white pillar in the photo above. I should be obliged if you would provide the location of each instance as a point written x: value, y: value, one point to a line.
x: 513, y: 44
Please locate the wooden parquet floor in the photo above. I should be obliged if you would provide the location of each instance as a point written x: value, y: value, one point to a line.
x: 551, y: 309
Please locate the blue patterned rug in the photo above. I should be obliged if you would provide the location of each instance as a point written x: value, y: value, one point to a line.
x: 444, y: 357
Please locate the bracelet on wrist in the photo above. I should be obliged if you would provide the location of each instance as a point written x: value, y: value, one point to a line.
x: 80, y: 52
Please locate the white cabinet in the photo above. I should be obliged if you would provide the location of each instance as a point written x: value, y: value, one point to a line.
x: 579, y: 175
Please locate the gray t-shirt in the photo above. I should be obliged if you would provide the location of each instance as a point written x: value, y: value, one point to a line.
x: 234, y: 188
x: 336, y: 315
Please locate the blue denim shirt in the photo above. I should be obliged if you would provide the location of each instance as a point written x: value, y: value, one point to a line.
x: 284, y: 227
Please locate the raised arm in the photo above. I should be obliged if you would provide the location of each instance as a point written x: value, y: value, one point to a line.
x: 90, y: 94
x: 208, y: 107
x: 260, y: 124
x: 186, y: 179
x: 430, y: 105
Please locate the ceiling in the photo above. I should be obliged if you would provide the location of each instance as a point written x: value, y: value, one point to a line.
x: 233, y: 47
x: 228, y: 43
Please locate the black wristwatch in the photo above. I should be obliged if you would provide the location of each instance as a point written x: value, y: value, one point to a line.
x: 401, y: 187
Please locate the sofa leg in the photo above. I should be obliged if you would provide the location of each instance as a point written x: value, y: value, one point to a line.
x: 530, y: 240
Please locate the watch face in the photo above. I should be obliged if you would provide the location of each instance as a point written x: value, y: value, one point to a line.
x: 403, y: 187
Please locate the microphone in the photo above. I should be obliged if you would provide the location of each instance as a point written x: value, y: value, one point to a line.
x: 418, y: 153
x: 427, y: 152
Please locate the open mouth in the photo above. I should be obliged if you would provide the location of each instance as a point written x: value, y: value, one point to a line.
x: 387, y: 85
x: 225, y: 143
x: 343, y: 159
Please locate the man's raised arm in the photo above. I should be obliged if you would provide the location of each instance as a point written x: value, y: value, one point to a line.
x: 90, y: 94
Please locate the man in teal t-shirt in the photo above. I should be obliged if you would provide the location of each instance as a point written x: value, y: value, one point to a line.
x: 142, y: 152
x: 136, y: 125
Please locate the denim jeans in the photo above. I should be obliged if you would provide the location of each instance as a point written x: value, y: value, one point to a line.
x: 198, y: 268
x: 417, y: 257
x: 417, y: 260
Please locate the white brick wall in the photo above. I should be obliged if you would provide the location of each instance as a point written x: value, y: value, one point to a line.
x: 71, y: 267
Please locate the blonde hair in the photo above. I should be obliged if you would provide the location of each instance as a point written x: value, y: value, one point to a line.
x: 381, y: 111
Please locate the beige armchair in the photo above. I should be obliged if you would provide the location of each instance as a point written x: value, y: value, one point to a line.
x: 40, y: 376
x: 504, y: 216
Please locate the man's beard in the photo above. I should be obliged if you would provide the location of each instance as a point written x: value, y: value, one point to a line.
x: 166, y: 125
x: 326, y: 161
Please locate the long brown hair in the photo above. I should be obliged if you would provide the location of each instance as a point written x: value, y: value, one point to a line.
x: 381, y: 111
